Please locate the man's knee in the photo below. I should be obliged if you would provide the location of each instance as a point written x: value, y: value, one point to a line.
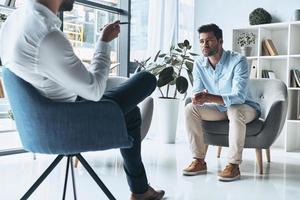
x: 190, y: 111
x: 148, y: 78
x: 235, y: 112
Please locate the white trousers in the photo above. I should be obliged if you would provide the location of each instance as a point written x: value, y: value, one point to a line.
x: 238, y: 116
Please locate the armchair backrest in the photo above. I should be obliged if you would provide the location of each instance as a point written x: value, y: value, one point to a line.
x: 266, y: 92
x: 52, y: 127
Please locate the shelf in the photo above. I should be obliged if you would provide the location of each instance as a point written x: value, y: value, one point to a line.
x: 294, y: 56
x: 252, y: 57
x: 293, y: 121
x: 293, y: 88
x: 279, y: 57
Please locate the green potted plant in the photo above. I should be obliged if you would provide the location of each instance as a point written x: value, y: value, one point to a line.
x: 245, y: 40
x: 259, y: 16
x: 168, y: 68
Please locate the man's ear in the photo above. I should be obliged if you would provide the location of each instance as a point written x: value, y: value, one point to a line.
x: 221, y: 41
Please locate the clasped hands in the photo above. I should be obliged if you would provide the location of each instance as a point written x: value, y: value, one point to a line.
x: 201, y: 97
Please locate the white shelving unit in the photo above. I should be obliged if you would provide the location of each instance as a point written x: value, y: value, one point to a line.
x: 285, y: 37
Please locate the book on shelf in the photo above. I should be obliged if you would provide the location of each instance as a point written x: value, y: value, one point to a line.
x: 292, y: 79
x: 1, y: 90
x: 265, y: 51
x: 253, y: 69
x: 271, y: 48
x: 271, y: 74
x: 268, y: 74
x: 295, y: 78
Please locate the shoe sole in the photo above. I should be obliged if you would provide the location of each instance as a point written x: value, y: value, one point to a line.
x: 226, y: 179
x: 194, y: 173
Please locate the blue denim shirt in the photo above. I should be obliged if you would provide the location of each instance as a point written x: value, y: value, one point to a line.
x: 229, y: 79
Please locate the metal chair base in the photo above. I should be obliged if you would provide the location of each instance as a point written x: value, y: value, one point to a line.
x: 69, y: 163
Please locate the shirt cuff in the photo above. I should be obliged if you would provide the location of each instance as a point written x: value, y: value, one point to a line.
x: 227, y: 101
x: 103, y: 47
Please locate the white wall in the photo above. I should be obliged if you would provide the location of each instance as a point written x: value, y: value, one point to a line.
x: 229, y: 14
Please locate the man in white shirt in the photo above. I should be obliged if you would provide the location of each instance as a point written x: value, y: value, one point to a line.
x: 33, y: 47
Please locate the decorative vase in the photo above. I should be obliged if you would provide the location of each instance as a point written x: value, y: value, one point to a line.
x: 167, y: 119
x: 297, y: 15
x: 246, y: 51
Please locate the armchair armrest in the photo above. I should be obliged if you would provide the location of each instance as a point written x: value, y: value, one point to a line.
x: 274, y: 123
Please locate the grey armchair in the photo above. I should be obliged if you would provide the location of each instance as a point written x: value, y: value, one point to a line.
x: 261, y: 133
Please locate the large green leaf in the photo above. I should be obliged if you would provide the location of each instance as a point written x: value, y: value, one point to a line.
x: 194, y: 54
x: 181, y: 84
x: 180, y: 45
x: 156, y: 56
x: 186, y: 43
x: 179, y: 50
x: 165, y: 76
x: 189, y: 65
x: 162, y: 55
x: 191, y: 78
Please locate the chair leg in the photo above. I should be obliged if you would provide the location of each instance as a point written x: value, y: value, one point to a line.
x: 69, y: 162
x: 268, y: 154
x: 219, y: 151
x: 73, y: 180
x: 95, y: 177
x: 259, y: 160
x: 66, y: 179
x: 76, y: 162
x: 42, y: 177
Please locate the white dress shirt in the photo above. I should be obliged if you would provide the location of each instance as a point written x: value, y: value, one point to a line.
x: 34, y: 48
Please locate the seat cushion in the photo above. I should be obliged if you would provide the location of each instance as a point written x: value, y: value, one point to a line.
x: 222, y: 127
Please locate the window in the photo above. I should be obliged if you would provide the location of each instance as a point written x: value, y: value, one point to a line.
x: 82, y: 27
x: 139, y: 29
x: 19, y: 3
x: 139, y: 24
x: 186, y: 20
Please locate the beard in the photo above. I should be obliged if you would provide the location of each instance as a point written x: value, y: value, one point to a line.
x: 209, y: 52
x: 66, y: 5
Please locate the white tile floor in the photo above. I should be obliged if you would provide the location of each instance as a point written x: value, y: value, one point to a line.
x: 163, y: 163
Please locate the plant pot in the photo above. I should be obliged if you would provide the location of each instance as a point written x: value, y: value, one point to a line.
x: 167, y: 119
x: 246, y: 51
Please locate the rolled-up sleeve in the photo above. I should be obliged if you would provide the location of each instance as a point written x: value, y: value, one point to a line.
x: 239, y: 84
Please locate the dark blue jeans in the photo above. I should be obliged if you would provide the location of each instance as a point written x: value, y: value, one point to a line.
x: 127, y: 96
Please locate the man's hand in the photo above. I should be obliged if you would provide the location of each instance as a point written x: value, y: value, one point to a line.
x: 200, y: 98
x: 205, y: 97
x: 110, y: 31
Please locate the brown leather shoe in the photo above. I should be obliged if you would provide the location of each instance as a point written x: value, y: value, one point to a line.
x: 230, y: 173
x: 195, y: 168
x: 151, y: 194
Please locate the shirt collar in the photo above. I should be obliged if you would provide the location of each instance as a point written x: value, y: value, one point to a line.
x: 49, y: 16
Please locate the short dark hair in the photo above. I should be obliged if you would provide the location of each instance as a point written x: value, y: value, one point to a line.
x: 211, y: 28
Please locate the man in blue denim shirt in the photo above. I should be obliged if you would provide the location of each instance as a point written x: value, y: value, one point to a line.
x: 219, y: 93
